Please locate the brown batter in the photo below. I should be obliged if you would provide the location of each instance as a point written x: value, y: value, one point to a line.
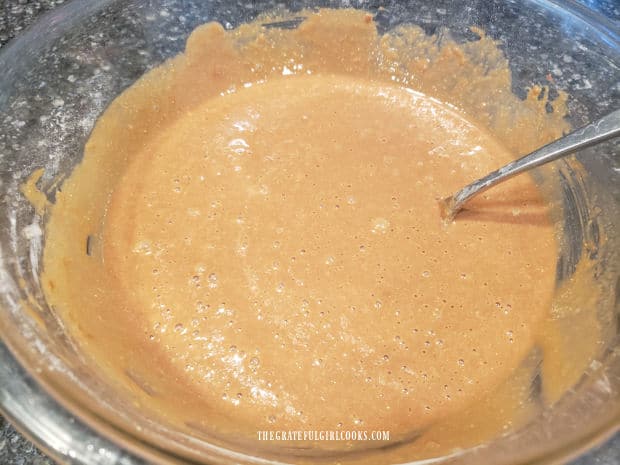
x: 265, y: 248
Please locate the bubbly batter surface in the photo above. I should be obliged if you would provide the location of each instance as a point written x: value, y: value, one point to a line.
x: 284, y: 248
x: 264, y: 245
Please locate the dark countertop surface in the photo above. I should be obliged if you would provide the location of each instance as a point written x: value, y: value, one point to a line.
x: 16, y: 15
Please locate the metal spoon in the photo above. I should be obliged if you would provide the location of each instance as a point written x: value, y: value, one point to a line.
x: 605, y: 128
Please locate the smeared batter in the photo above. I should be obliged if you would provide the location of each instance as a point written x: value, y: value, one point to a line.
x: 258, y: 222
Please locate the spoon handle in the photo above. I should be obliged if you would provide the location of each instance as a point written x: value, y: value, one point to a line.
x: 605, y: 128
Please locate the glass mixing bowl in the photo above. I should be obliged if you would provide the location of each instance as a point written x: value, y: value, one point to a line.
x: 57, y: 78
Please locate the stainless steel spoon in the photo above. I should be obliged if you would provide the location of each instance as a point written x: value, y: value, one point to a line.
x: 605, y: 128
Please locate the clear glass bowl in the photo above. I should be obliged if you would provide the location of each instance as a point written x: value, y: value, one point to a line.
x: 60, y: 75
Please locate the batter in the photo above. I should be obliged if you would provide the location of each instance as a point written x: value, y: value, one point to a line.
x: 258, y: 222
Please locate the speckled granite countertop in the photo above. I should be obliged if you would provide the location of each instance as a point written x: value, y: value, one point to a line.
x: 15, y: 15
